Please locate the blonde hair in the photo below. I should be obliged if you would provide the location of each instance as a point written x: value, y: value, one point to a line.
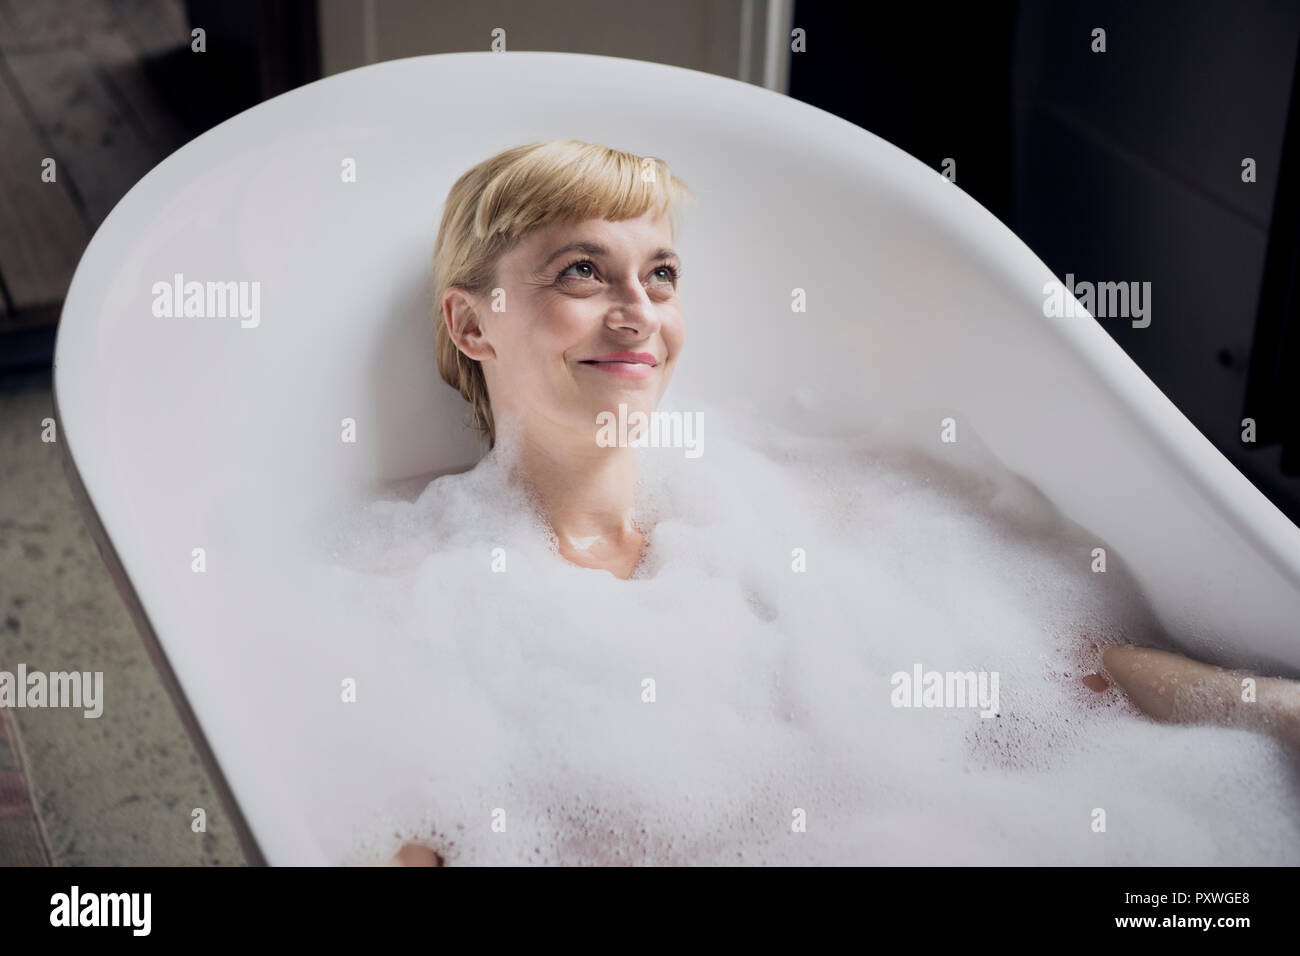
x: 501, y: 200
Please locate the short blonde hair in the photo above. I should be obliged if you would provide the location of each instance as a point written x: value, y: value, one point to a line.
x: 498, y: 202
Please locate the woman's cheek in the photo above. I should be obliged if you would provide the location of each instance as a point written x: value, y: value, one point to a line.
x: 674, y: 342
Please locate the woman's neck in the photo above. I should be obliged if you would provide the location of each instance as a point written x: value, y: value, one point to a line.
x: 586, y: 493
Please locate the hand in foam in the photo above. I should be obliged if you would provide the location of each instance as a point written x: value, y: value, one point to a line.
x: 1174, y: 688
x: 415, y: 855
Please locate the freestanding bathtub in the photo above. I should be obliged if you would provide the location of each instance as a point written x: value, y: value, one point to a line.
x: 221, y: 432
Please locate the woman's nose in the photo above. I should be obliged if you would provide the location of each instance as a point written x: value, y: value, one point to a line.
x: 633, y: 320
x: 635, y: 311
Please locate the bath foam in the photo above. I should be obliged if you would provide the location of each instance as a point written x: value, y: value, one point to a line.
x: 502, y: 719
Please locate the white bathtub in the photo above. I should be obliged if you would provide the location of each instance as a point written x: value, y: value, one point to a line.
x: 200, y: 433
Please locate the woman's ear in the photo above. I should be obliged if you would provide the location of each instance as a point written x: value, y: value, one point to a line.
x: 461, y: 314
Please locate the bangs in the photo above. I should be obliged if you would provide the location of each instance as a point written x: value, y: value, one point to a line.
x: 568, y: 181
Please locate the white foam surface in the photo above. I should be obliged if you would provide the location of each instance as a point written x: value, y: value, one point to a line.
x: 485, y: 696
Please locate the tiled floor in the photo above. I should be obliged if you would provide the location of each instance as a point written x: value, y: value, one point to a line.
x: 22, y: 838
x: 114, y: 790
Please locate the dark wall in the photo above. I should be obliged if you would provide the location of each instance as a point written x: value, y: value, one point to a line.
x: 1123, y: 165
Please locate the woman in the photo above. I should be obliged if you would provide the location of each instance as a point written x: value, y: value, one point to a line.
x: 556, y: 282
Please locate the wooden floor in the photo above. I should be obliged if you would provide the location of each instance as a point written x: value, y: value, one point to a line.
x: 72, y: 89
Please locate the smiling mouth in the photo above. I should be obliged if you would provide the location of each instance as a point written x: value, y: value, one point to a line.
x: 623, y: 357
x: 623, y: 368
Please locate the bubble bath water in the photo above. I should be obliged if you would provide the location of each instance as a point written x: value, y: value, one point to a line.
x: 735, y: 700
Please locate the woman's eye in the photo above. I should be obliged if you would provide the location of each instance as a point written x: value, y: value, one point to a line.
x: 581, y: 265
x: 664, y: 273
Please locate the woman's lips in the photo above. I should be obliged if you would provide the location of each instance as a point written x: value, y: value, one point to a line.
x: 635, y: 365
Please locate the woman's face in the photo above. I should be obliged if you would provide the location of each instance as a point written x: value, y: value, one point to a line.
x: 589, y: 318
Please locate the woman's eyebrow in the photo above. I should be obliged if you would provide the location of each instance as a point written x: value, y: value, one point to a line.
x: 596, y: 249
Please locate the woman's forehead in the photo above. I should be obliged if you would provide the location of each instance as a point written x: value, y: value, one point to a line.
x: 600, y: 237
x: 650, y: 221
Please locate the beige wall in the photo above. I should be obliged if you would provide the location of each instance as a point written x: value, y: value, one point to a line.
x: 728, y: 37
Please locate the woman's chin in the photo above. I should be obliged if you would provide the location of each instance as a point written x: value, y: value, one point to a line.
x: 636, y: 403
x: 631, y: 396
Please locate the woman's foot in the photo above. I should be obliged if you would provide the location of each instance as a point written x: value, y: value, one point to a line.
x: 1175, y: 688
